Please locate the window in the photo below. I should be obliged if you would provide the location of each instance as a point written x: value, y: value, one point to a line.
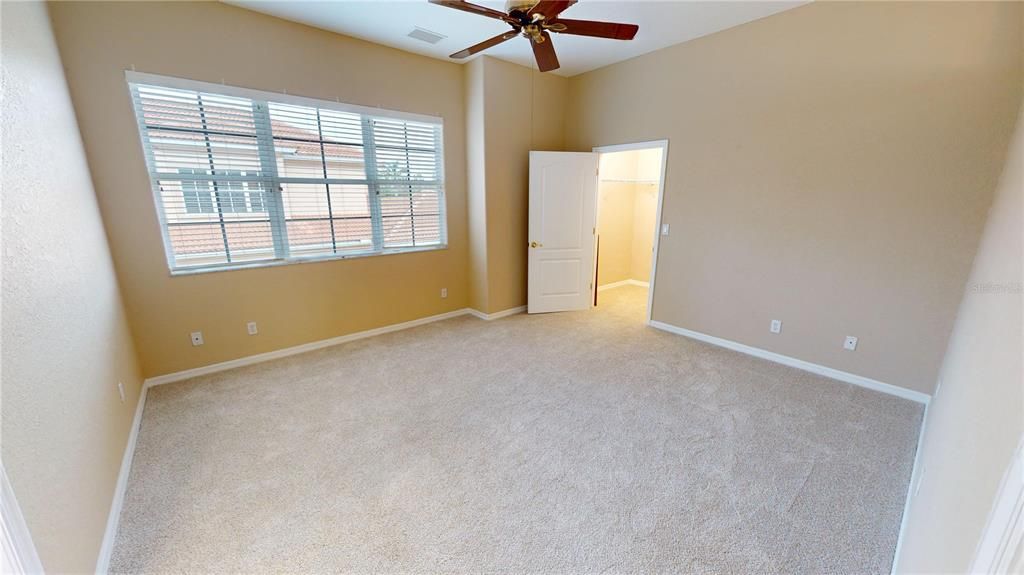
x: 246, y: 178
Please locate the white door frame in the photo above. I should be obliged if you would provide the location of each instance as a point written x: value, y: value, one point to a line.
x: 1003, y: 536
x: 663, y: 144
x: 19, y: 554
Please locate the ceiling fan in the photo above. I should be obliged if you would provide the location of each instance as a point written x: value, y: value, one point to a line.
x: 533, y: 19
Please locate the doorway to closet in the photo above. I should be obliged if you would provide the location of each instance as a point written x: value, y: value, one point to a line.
x: 630, y: 186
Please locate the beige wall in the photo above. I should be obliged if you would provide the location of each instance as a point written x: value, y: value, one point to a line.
x: 977, y: 418
x: 829, y: 166
x: 626, y: 213
x: 65, y: 338
x: 615, y: 217
x: 522, y: 110
x: 292, y: 304
x: 645, y: 211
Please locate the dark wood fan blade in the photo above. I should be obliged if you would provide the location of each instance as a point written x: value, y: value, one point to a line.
x: 485, y: 44
x: 596, y: 29
x: 550, y: 8
x: 544, y: 52
x: 474, y: 9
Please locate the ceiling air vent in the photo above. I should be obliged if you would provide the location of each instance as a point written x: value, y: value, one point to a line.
x: 426, y: 35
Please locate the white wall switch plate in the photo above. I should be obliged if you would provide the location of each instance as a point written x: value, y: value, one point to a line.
x: 120, y: 390
x: 850, y: 343
x: 251, y: 328
x: 664, y: 229
x: 444, y: 293
x: 776, y: 326
x: 197, y: 338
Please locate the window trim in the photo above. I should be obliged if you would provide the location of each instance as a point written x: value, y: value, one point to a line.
x: 132, y: 77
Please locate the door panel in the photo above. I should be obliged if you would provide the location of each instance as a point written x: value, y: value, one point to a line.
x: 563, y: 190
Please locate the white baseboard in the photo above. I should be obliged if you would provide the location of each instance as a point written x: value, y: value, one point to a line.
x: 798, y: 363
x: 315, y: 345
x: 915, y: 479
x: 295, y: 350
x: 114, y: 519
x: 629, y: 282
x: 498, y: 314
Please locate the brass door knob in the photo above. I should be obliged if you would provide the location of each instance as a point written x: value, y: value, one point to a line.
x: 536, y: 245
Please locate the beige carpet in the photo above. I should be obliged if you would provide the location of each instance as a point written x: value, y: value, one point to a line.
x: 564, y: 443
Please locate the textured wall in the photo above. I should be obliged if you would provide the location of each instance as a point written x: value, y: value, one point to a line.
x: 65, y: 339
x: 977, y: 418
x: 829, y: 166
x: 293, y: 304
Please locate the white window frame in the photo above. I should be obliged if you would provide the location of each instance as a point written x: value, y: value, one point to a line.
x: 282, y: 256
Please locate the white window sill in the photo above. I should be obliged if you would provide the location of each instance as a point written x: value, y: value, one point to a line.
x: 188, y: 271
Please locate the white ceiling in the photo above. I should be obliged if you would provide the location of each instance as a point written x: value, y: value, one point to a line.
x: 662, y: 23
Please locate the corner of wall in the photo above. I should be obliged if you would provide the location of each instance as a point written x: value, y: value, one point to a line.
x: 511, y: 110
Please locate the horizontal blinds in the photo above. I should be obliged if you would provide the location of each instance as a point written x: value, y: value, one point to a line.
x: 409, y: 182
x: 239, y: 180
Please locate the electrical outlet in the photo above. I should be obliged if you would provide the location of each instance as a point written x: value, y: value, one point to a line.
x: 776, y: 326
x: 251, y: 328
x: 120, y: 390
x: 850, y: 343
x: 444, y: 293
x: 197, y: 338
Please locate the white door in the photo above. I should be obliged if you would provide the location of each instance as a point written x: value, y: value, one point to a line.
x: 563, y: 194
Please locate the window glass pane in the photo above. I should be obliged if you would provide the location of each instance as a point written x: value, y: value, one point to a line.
x: 197, y: 243
x: 411, y: 216
x: 350, y: 208
x: 250, y: 241
x: 317, y: 143
x: 188, y: 110
x: 325, y: 219
x: 206, y: 219
x: 307, y: 217
x: 344, y: 162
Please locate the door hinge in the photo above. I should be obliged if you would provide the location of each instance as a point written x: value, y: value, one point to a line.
x: 593, y: 231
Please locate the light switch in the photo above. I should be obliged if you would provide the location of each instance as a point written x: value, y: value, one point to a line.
x: 664, y: 229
